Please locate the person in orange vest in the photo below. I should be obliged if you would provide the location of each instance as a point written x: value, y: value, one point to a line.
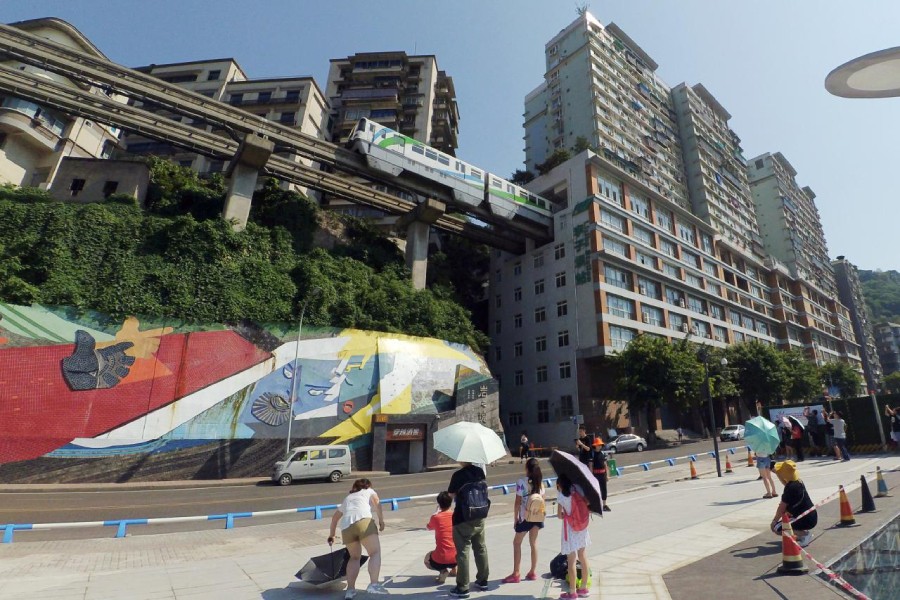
x: 600, y: 469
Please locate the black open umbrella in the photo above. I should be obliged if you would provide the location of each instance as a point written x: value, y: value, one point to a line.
x: 328, y: 568
x: 578, y: 473
x: 795, y: 421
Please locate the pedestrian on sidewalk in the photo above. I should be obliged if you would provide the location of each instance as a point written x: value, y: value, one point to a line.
x: 358, y: 531
x: 574, y: 543
x: 797, y: 440
x: 600, y: 469
x: 680, y: 433
x: 524, y: 447
x: 894, y: 414
x: 840, y: 437
x: 468, y: 485
x: 443, y: 558
x: 764, y: 464
x: 528, y: 518
x: 583, y: 443
x: 794, y: 501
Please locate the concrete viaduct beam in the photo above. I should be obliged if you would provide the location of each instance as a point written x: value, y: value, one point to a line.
x: 418, y: 223
x: 243, y: 172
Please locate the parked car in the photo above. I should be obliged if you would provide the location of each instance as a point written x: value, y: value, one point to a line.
x: 732, y: 432
x: 313, y: 462
x: 626, y: 443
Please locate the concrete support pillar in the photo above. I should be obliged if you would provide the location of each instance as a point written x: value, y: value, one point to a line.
x: 243, y: 171
x: 418, y: 223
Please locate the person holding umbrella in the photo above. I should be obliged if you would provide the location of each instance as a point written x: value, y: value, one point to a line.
x: 574, y: 542
x: 762, y: 437
x: 358, y: 531
x: 796, y: 437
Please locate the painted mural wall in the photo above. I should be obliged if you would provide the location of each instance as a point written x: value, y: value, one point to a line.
x: 76, y: 385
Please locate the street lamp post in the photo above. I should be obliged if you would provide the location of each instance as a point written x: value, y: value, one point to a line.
x: 712, y: 414
x: 295, y: 378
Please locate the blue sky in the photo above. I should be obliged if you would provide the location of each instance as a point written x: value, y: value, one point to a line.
x: 765, y: 61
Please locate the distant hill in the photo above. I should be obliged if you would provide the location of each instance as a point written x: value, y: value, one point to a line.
x: 882, y: 291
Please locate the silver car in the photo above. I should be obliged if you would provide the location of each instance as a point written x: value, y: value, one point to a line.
x: 627, y: 443
x: 732, y: 432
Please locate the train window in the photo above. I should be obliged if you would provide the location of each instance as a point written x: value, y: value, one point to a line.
x: 510, y: 188
x: 431, y: 154
x: 444, y: 160
x: 542, y: 204
x: 476, y: 173
x: 418, y: 149
x: 460, y: 167
x: 496, y: 183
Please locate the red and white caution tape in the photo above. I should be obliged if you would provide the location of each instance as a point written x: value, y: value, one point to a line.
x: 831, y: 575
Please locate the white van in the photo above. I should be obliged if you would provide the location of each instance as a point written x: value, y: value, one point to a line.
x: 313, y: 462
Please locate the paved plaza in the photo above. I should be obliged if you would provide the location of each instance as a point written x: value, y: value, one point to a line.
x: 667, y: 537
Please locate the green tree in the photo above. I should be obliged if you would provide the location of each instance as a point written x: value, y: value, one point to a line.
x: 803, y: 376
x: 759, y: 373
x: 521, y: 176
x: 842, y: 376
x: 655, y: 373
x: 581, y: 144
x: 881, y: 290
x: 558, y: 157
x: 892, y: 382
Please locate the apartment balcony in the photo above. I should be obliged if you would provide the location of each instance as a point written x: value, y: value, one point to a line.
x: 31, y: 130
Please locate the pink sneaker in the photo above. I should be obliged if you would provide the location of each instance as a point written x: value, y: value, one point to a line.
x: 567, y: 596
x: 530, y: 576
x: 583, y: 592
x: 512, y: 579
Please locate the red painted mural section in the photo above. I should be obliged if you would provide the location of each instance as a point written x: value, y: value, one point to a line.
x: 39, y: 413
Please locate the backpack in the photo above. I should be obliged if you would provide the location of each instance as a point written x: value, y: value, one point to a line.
x: 472, y: 500
x: 535, y: 508
x: 559, y: 566
x: 578, y: 517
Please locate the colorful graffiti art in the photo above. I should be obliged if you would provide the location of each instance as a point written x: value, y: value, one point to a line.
x: 84, y: 385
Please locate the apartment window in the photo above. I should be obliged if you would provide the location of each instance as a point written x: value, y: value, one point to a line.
x: 615, y: 246
x: 620, y: 336
x: 543, y: 411
x: 667, y: 247
x: 235, y: 99
x: 562, y: 308
x: 620, y: 307
x: 651, y: 315
x: 710, y: 269
x: 264, y: 98
x: 517, y: 349
x: 213, y: 75
x: 538, y: 287
x: 613, y: 221
x: 611, y: 189
x: 720, y: 333
x: 292, y: 96
x: 672, y: 270
x: 519, y: 377
x: 617, y: 277
x: 540, y: 344
x: 498, y: 275
x: 517, y: 268
x: 498, y: 324
x: 677, y: 322
x: 693, y: 281
x: 540, y: 314
x: 696, y: 305
x: 717, y: 312
x: 735, y: 317
x: 566, y: 407
x: 287, y: 117
x: 686, y: 232
x: 517, y: 320
x: 559, y: 251
x: 643, y: 235
x: 514, y: 419
x: 540, y: 374
x: 675, y: 297
x: 738, y: 337
x: 713, y: 288
x: 690, y: 258
x: 763, y: 328
x: 538, y: 261
x: 649, y: 288
x: 664, y: 219
x: 640, y: 207
x: 498, y: 301
x: 109, y: 188
x: 706, y: 243
x: 645, y: 259
x: 701, y: 329
x: 747, y: 322
x: 76, y: 186
x: 565, y: 370
x: 562, y: 338
x: 561, y: 279
x: 517, y: 294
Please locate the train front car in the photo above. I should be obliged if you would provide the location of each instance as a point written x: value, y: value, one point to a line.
x: 507, y: 200
x: 375, y: 141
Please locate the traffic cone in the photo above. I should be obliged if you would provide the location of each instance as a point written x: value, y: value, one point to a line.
x: 791, y: 558
x: 868, y: 503
x: 693, y: 471
x: 882, y: 486
x: 749, y: 458
x: 847, y: 519
x: 728, y: 465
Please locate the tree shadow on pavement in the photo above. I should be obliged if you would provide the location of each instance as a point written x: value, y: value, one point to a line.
x: 768, y: 549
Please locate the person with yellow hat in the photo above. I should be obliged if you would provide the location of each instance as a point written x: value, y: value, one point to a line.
x: 599, y: 468
x: 794, y: 501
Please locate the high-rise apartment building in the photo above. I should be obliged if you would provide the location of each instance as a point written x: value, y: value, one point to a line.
x: 656, y: 234
x: 851, y: 295
x: 887, y: 338
x: 295, y: 102
x: 789, y: 220
x: 34, y: 139
x: 406, y: 93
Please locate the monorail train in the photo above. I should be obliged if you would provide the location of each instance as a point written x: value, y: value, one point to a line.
x: 392, y: 152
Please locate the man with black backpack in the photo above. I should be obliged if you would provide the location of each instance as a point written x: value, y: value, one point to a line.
x: 469, y: 490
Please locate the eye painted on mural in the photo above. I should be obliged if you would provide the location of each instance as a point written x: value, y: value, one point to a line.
x: 271, y: 409
x: 91, y: 369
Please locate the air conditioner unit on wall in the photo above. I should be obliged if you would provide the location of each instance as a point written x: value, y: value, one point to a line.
x: 681, y: 303
x: 646, y: 318
x: 684, y: 327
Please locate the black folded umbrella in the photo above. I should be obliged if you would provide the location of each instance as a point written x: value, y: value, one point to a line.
x: 327, y: 568
x: 578, y: 473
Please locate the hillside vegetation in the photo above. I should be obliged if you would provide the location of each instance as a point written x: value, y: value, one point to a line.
x: 882, y: 292
x: 177, y: 258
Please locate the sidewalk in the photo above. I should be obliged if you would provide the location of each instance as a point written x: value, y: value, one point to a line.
x: 648, y: 547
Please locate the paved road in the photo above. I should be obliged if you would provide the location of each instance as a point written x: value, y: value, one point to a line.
x: 19, y: 505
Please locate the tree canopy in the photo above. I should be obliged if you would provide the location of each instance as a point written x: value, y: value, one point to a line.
x: 882, y: 292
x: 841, y: 376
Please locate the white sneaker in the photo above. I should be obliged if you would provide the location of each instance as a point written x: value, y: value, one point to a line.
x: 804, y: 540
x: 376, y: 588
x: 349, y: 594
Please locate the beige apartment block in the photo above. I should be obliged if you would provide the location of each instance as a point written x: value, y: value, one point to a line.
x: 34, y: 139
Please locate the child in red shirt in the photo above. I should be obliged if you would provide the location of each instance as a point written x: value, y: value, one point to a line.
x: 443, y: 558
